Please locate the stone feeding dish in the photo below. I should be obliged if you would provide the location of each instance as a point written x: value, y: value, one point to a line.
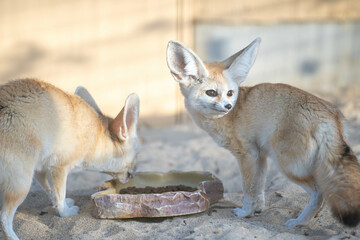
x: 152, y: 194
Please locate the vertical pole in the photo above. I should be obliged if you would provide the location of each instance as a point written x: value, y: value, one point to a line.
x: 185, y: 34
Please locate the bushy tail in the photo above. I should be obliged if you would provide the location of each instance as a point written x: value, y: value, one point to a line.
x: 339, y: 180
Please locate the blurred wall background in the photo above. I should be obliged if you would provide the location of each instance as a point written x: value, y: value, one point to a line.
x: 115, y: 47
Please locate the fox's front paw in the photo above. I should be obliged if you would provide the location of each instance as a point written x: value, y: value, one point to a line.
x: 69, y: 202
x: 260, y: 205
x: 291, y: 223
x: 69, y: 208
x: 259, y: 208
x: 241, y: 212
x: 69, y: 211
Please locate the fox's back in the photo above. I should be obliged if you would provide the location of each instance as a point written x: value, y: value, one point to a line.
x: 280, y: 106
x: 20, y: 97
x: 42, y: 117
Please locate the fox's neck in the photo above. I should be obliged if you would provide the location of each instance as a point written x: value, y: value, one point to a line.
x: 101, y: 149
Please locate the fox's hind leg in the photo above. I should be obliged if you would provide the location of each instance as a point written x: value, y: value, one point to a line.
x: 315, y: 204
x: 14, y: 194
x: 295, y: 150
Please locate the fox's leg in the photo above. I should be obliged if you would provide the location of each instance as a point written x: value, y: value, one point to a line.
x: 252, y: 168
x: 14, y: 194
x: 43, y: 180
x: 314, y: 206
x: 295, y: 154
x: 64, y: 206
x: 261, y: 176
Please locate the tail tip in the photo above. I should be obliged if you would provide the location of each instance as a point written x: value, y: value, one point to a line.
x: 350, y: 219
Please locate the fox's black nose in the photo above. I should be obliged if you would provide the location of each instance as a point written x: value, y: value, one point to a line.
x: 228, y: 106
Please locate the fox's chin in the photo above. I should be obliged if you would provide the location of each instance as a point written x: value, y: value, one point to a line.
x: 215, y: 114
x: 219, y: 116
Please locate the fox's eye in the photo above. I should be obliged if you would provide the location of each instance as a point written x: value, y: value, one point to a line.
x: 211, y: 93
x: 230, y: 93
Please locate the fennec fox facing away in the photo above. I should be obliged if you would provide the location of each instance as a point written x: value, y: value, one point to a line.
x: 46, y: 132
x: 302, y: 133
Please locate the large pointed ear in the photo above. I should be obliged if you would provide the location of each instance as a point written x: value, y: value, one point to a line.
x: 185, y: 66
x: 125, y: 123
x: 239, y: 64
x: 85, y: 95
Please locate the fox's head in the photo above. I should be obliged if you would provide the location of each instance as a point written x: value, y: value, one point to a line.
x: 121, y: 135
x: 210, y: 89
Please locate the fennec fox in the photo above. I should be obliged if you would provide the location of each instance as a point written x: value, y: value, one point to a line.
x: 46, y: 132
x: 302, y: 133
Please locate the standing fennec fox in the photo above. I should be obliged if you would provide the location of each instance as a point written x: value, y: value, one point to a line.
x: 46, y: 132
x: 302, y: 133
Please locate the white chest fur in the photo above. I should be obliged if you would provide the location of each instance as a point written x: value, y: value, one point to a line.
x: 216, y: 131
x: 217, y: 128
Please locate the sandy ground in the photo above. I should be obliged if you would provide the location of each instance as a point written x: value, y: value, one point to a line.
x: 186, y: 147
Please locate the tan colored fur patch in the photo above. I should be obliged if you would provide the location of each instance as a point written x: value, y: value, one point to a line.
x: 216, y: 71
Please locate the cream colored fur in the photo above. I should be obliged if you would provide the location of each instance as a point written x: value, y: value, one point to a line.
x: 47, y: 132
x: 303, y: 134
